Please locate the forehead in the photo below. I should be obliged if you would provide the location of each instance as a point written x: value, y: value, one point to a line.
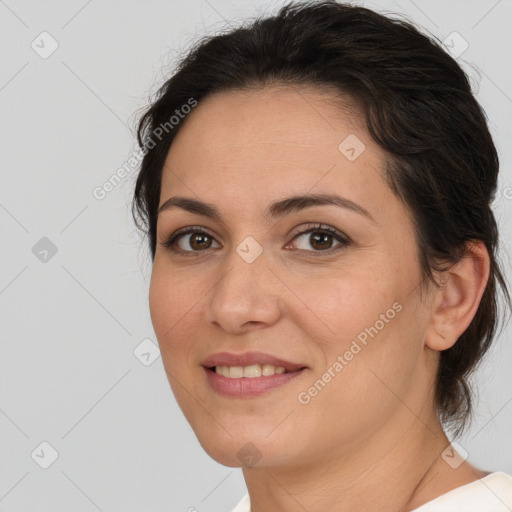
x: 296, y: 118
x: 249, y: 145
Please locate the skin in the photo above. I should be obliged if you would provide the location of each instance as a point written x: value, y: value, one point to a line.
x: 373, y: 426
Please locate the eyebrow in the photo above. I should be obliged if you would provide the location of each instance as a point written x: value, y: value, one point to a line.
x: 274, y: 211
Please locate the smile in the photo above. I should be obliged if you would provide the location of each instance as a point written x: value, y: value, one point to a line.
x: 241, y: 386
x: 252, y: 371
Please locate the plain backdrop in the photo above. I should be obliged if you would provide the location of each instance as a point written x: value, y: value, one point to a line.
x: 87, y: 418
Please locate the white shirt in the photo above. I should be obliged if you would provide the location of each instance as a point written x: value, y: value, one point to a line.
x: 493, y: 493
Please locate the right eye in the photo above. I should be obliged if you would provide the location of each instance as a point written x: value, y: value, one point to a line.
x: 198, y: 239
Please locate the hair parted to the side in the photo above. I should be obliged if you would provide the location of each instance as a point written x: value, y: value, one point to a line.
x: 418, y: 106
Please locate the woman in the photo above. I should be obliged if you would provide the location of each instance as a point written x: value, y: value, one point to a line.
x: 316, y: 192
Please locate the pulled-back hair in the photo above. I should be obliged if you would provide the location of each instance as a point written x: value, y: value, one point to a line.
x: 419, y: 108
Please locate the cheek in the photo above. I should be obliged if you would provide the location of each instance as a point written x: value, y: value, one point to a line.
x: 366, y: 350
x: 171, y: 304
x: 343, y: 307
x: 365, y: 327
x: 171, y: 299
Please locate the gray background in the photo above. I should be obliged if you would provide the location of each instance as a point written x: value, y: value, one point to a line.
x: 72, y: 323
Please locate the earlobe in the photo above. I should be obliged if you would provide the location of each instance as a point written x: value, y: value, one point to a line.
x: 456, y: 300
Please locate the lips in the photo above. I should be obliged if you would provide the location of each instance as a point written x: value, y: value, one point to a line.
x: 248, y: 359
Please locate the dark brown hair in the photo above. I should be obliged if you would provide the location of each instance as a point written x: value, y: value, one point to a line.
x: 418, y: 106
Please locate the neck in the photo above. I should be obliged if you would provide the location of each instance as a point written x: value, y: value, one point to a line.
x: 396, y: 469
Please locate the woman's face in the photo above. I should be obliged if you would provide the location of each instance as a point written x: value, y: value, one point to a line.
x: 343, y: 305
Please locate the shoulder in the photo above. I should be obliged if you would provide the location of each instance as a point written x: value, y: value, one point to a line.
x: 492, y: 493
x: 244, y: 505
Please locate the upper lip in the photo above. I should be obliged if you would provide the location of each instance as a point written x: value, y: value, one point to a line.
x: 248, y: 359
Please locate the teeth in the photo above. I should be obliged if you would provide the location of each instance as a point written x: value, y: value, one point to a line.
x: 235, y: 372
x: 270, y: 369
x: 222, y: 370
x: 251, y: 371
x: 254, y: 370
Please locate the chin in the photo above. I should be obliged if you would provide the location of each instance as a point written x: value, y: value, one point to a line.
x: 239, y: 450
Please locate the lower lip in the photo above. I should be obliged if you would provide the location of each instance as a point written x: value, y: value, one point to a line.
x: 246, y: 386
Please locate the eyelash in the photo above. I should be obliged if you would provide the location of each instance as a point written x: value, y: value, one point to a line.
x: 343, y: 240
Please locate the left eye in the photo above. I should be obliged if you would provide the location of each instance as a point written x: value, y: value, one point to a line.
x: 321, y: 238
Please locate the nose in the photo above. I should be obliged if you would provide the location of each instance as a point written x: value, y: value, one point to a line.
x: 246, y: 295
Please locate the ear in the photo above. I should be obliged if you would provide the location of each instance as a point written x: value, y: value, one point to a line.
x: 456, y: 300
